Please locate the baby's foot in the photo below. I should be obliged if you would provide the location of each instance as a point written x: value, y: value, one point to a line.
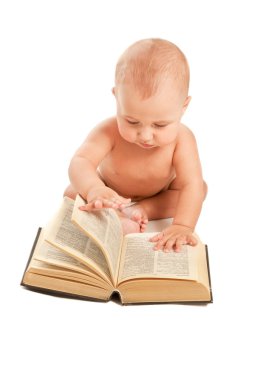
x: 128, y: 226
x: 137, y: 214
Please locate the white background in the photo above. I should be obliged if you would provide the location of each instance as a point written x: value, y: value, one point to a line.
x: 56, y: 74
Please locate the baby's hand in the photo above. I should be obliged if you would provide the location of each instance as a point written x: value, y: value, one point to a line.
x: 104, y: 197
x: 173, y: 237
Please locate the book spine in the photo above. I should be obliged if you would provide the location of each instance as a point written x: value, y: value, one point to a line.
x: 209, y: 274
x: 31, y: 254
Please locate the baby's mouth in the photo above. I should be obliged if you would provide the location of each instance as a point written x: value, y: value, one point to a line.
x: 146, y: 145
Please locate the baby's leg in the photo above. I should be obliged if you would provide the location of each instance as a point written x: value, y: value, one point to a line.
x: 162, y: 205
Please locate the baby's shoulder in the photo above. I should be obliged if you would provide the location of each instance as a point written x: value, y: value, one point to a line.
x: 108, y: 124
x: 106, y: 127
x: 185, y: 134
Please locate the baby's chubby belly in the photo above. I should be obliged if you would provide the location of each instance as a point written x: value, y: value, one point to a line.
x: 136, y: 184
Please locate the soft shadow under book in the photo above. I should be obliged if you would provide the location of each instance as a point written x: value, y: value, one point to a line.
x: 84, y: 254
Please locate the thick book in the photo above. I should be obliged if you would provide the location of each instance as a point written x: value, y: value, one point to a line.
x: 85, y: 254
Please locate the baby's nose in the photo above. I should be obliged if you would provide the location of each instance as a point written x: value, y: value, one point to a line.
x: 145, y: 134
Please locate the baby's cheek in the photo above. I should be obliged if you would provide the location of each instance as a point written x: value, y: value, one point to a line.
x: 127, y: 134
x: 169, y: 137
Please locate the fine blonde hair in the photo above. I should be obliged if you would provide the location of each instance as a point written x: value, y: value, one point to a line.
x: 148, y: 63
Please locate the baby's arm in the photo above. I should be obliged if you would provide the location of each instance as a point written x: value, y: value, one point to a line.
x: 191, y: 195
x: 83, y: 169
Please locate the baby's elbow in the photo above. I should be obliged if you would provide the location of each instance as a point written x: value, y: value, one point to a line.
x: 199, y: 187
x: 80, y: 164
x: 205, y: 190
x: 70, y: 170
x: 73, y: 166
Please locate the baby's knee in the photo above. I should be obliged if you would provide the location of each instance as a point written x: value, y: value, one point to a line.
x: 70, y: 192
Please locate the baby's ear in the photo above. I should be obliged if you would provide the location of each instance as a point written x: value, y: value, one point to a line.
x: 113, y: 91
x: 186, y: 103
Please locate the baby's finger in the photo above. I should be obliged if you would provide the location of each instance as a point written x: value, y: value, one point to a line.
x: 98, y: 204
x: 169, y: 245
x: 191, y: 240
x: 120, y: 202
x: 179, y: 244
x: 124, y: 201
x: 87, y: 207
x: 82, y: 208
x: 106, y: 203
x: 156, y: 237
x: 110, y: 203
x: 161, y: 243
x: 117, y: 203
x: 123, y: 205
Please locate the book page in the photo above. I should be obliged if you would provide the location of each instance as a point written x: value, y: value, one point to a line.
x: 105, y: 228
x: 43, y: 268
x: 140, y: 260
x: 63, y: 234
x: 54, y: 256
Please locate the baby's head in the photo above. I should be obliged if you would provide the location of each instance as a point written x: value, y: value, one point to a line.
x: 149, y: 65
x: 151, y: 86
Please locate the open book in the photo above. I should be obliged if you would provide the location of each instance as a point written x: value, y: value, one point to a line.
x: 85, y: 254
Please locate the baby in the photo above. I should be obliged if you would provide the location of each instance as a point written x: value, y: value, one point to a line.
x: 144, y: 162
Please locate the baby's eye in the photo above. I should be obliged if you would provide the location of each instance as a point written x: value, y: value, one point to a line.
x: 160, y: 125
x: 133, y: 122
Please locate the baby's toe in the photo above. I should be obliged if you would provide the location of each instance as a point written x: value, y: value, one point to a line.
x: 136, y: 216
x: 143, y: 225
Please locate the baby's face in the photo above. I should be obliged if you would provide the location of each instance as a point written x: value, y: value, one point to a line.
x: 149, y: 123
